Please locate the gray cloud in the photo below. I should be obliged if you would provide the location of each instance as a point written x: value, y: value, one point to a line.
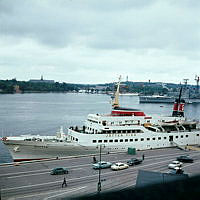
x: 72, y: 38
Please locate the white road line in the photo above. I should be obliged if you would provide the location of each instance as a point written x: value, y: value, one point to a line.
x: 44, y: 170
x: 46, y: 193
x: 72, y: 190
x: 11, y: 177
x: 27, y: 186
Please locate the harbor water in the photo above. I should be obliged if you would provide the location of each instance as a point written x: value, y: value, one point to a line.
x: 45, y: 113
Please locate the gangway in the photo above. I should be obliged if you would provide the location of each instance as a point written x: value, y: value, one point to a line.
x: 178, y: 146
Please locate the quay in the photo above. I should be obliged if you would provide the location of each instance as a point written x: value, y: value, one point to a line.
x: 32, y: 180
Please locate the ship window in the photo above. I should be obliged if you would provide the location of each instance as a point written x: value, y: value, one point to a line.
x: 186, y: 136
x: 121, y: 140
x: 116, y: 140
x: 114, y: 131
x: 136, y: 140
x: 128, y: 131
x: 154, y: 138
x: 99, y: 141
x: 119, y: 131
x: 159, y: 138
x: 103, y: 131
x: 94, y: 141
x: 76, y: 139
x: 126, y: 140
x: 148, y: 138
x: 165, y: 138
x: 176, y: 136
x: 142, y: 139
x: 110, y: 140
x: 181, y: 136
x: 197, y: 134
x: 104, y: 123
x: 131, y: 140
x: 105, y: 141
x: 108, y: 131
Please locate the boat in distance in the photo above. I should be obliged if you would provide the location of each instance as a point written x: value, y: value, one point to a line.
x: 161, y: 99
x: 116, y: 131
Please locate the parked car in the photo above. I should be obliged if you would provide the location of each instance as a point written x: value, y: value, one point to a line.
x: 175, y: 164
x: 102, y: 165
x: 176, y: 170
x: 59, y: 170
x: 134, y: 161
x: 119, y: 166
x: 185, y: 159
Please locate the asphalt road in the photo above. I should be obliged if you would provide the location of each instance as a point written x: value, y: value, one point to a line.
x: 33, y: 180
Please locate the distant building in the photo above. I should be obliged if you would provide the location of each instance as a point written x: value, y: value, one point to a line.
x: 16, y: 89
x: 41, y: 80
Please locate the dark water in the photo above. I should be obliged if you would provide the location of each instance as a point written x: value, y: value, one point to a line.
x: 44, y: 113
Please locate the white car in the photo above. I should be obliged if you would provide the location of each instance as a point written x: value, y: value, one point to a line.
x: 175, y: 164
x: 119, y: 165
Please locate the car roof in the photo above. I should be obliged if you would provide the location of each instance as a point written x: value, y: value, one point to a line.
x: 119, y: 163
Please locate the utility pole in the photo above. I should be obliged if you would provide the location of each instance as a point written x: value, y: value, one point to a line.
x: 99, y: 182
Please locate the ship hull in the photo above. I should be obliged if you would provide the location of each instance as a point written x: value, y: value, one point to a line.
x: 36, y: 152
x: 141, y: 141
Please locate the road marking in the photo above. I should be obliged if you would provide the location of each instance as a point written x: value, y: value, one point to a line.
x: 72, y: 190
x: 45, y: 193
x: 27, y: 175
x: 26, y: 186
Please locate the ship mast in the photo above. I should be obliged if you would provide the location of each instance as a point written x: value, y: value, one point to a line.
x: 116, y: 97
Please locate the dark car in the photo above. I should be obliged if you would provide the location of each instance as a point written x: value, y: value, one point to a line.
x: 134, y: 161
x: 59, y: 170
x: 185, y: 159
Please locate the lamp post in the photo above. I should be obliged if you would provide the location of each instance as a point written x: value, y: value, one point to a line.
x: 99, y: 182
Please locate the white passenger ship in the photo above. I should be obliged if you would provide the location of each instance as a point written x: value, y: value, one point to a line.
x: 117, y: 131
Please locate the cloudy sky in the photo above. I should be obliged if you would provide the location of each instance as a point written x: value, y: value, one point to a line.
x: 95, y: 41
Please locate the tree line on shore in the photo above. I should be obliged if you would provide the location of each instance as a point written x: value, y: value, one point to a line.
x: 14, y: 86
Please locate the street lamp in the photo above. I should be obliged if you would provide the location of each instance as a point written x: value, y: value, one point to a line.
x: 99, y: 182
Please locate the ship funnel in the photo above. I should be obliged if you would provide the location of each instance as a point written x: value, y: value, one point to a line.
x: 178, y: 109
x: 181, y: 108
x: 175, y: 108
